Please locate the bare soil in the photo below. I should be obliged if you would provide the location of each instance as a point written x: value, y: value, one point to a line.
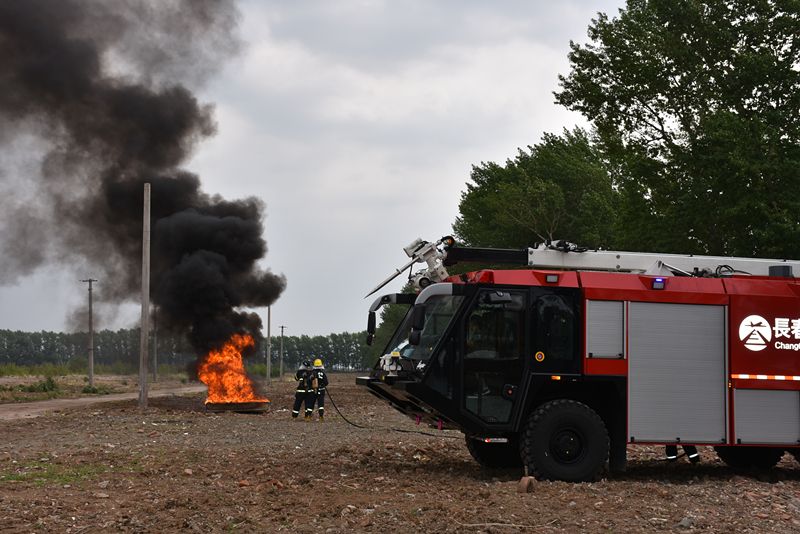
x: 175, y: 467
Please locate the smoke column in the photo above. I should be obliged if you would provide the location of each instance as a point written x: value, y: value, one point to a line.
x: 96, y: 91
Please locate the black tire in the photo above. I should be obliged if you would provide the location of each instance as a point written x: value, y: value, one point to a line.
x: 795, y: 451
x: 494, y: 455
x: 565, y: 440
x: 750, y: 457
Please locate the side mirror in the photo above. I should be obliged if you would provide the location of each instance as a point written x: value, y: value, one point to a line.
x: 414, y: 337
x: 370, y: 327
x: 418, y: 317
x: 417, y: 324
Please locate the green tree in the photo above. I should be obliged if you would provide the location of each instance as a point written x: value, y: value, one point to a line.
x: 696, y: 104
x: 558, y: 189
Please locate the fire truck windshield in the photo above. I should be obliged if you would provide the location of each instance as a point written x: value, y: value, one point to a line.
x: 439, y: 313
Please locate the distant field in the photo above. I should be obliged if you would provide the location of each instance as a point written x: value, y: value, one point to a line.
x: 33, y: 386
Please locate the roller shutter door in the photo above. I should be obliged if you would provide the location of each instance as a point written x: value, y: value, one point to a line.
x: 676, y: 372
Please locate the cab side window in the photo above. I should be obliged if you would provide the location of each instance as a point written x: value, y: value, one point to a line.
x: 494, y: 328
x: 555, y: 327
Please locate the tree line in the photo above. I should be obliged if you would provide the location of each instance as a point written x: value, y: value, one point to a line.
x: 344, y: 351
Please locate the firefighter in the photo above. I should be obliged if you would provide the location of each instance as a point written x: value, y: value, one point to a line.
x: 303, y: 391
x: 319, y: 382
x: 689, y: 450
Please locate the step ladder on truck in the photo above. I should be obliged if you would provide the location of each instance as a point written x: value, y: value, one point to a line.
x: 560, y: 366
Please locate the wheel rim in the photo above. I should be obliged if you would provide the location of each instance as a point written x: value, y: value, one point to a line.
x: 567, y: 445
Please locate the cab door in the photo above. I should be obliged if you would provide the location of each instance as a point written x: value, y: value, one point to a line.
x: 554, y: 327
x: 493, y: 354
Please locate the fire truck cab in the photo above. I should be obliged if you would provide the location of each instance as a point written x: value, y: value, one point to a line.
x: 559, y: 370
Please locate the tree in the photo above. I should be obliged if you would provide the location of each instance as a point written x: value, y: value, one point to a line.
x: 559, y: 189
x: 696, y: 104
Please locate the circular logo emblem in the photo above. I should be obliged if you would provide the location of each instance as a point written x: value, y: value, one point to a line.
x: 539, y: 357
x: 755, y: 332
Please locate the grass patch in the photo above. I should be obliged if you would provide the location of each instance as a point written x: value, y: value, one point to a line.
x: 42, y: 369
x: 259, y: 370
x: 79, y: 367
x: 43, y: 473
x: 46, y: 473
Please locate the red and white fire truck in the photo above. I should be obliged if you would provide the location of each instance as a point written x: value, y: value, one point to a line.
x: 560, y: 367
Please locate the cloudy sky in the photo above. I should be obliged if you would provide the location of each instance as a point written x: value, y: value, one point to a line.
x: 357, y: 122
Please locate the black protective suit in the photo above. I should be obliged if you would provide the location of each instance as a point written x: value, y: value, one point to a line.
x: 303, y: 391
x: 319, y: 381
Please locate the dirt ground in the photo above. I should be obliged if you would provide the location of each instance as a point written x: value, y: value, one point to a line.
x: 175, y: 467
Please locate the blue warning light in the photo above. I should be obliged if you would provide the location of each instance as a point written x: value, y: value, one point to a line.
x: 659, y: 283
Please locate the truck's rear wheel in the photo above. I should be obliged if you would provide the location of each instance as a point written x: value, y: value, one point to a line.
x: 495, y: 455
x: 565, y: 440
x: 749, y: 457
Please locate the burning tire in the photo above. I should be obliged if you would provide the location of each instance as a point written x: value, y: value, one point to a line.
x: 494, y: 455
x: 749, y: 457
x: 565, y: 440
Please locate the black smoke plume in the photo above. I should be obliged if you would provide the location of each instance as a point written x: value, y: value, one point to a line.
x: 97, y: 90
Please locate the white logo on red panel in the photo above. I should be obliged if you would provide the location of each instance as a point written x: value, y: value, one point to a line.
x: 756, y: 332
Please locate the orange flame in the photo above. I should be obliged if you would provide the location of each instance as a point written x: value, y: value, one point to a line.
x: 223, y: 372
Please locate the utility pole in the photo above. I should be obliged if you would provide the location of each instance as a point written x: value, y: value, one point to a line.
x: 145, y: 339
x: 269, y: 344
x: 281, y: 368
x: 91, y: 333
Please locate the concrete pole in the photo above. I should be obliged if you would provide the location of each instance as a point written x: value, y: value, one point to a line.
x: 91, y: 334
x: 269, y: 344
x: 280, y: 371
x: 144, y: 340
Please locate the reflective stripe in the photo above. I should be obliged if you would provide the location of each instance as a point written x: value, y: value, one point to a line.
x: 672, y: 457
x: 695, y: 455
x: 765, y: 377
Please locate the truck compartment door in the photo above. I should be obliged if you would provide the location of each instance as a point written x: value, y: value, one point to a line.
x: 676, y: 373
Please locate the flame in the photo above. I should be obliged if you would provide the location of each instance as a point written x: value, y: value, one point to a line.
x: 223, y: 372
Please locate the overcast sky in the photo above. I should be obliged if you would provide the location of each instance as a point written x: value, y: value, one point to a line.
x: 357, y: 122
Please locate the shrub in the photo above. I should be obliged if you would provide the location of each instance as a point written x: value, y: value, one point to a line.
x: 42, y: 386
x: 96, y: 390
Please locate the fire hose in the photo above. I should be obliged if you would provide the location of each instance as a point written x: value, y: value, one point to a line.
x: 403, y: 430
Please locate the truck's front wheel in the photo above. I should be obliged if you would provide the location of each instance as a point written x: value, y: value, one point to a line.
x: 565, y: 440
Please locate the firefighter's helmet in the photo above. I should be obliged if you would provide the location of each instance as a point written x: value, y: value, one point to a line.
x: 305, y: 365
x: 318, y: 363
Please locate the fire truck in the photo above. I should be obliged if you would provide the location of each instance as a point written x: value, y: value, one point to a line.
x: 560, y: 366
